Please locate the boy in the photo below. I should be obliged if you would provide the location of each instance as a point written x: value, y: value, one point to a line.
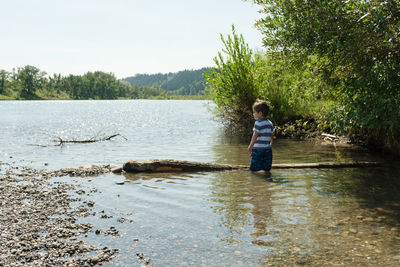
x: 261, y: 143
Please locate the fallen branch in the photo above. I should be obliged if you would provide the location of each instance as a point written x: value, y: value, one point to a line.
x: 330, y: 136
x: 187, y: 166
x: 91, y: 140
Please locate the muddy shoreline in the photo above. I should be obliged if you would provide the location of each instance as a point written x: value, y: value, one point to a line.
x: 39, y: 219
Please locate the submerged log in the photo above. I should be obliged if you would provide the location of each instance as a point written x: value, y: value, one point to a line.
x: 326, y: 165
x: 175, y: 166
x: 187, y: 166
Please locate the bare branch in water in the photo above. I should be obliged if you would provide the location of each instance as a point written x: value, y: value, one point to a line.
x: 90, y: 140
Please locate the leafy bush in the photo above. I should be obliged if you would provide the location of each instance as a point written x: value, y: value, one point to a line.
x: 242, y: 76
x: 358, y: 43
x: 232, y: 84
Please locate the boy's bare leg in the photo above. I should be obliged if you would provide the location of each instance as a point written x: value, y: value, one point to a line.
x: 268, y: 174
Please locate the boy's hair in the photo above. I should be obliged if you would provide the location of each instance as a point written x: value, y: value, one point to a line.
x: 261, y: 106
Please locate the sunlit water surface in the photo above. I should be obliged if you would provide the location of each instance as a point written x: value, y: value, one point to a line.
x: 311, y: 217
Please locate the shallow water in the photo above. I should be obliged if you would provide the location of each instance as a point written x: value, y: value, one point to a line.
x: 311, y: 217
x: 154, y: 129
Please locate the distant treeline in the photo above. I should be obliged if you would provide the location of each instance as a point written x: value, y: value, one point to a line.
x: 186, y: 82
x: 29, y: 82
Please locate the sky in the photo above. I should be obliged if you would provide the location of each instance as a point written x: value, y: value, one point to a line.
x: 124, y: 37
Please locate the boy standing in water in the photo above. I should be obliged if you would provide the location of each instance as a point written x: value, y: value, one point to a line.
x: 261, y: 143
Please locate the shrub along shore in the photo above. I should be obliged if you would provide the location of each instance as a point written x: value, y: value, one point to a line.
x: 333, y: 66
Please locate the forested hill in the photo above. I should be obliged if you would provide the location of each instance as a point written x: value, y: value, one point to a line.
x: 186, y: 82
x: 29, y: 82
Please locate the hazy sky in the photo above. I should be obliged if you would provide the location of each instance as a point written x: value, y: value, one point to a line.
x: 120, y: 36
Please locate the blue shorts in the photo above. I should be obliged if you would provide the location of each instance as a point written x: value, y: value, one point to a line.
x: 261, y: 159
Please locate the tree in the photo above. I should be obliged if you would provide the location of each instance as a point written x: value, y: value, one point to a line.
x: 186, y: 82
x: 73, y: 85
x: 55, y: 83
x: 31, y: 79
x: 100, y: 85
x: 359, y: 41
x: 232, y: 83
x: 4, y: 75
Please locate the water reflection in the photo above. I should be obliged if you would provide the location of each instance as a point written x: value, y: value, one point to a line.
x: 230, y: 192
x: 260, y: 199
x: 309, y: 217
x: 299, y: 221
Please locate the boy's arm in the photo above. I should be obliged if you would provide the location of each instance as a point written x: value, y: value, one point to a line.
x: 253, y: 141
x: 272, y: 139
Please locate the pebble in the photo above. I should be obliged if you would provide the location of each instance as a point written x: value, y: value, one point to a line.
x: 117, y: 169
x: 121, y: 220
x: 385, y: 211
x: 95, y: 260
x: 46, y: 231
x: 353, y: 231
x: 140, y: 255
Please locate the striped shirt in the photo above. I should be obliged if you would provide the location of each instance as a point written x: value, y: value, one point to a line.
x: 265, y: 128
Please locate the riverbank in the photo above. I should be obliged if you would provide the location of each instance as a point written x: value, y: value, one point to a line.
x: 311, y: 130
x: 40, y: 219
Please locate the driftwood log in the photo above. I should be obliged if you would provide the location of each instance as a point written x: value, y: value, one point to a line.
x: 189, y: 166
x: 175, y: 166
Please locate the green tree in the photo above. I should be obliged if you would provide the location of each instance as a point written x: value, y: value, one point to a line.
x: 30, y: 79
x: 294, y: 91
x: 359, y: 43
x: 186, y: 82
x: 232, y: 83
x: 73, y: 85
x: 4, y: 80
x: 55, y: 83
x: 125, y: 89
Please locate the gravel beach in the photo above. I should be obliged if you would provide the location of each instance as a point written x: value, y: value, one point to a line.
x: 38, y: 219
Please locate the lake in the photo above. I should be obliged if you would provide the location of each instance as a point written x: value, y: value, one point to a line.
x: 311, y: 217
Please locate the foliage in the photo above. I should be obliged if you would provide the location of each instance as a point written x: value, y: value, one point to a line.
x: 294, y: 91
x: 3, y: 81
x: 30, y: 79
x: 358, y: 42
x: 186, y: 82
x: 92, y: 85
x: 31, y: 83
x: 242, y: 76
x: 232, y: 84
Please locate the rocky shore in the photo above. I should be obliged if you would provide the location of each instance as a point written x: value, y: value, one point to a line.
x: 38, y: 219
